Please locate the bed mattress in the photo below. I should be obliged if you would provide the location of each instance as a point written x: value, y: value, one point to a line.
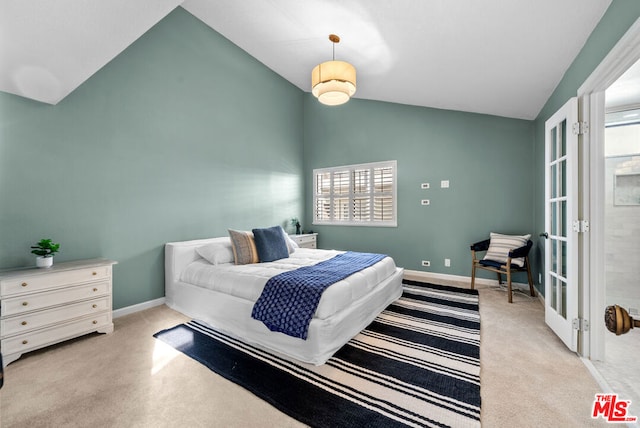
x: 248, y: 281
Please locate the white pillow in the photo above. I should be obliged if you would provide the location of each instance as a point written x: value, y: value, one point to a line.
x: 500, y: 245
x: 291, y: 244
x: 217, y: 252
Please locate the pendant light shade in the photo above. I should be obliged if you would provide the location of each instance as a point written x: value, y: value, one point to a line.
x: 333, y: 82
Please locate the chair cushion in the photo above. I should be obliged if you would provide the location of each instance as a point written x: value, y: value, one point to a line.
x: 491, y: 263
x: 500, y: 246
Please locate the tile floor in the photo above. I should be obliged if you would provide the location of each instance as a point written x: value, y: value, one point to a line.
x: 621, y: 368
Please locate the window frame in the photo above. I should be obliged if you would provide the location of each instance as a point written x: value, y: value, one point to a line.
x: 332, y: 195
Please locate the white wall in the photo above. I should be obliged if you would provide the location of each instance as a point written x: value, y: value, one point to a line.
x: 622, y: 218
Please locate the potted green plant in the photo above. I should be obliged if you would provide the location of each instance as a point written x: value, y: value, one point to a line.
x: 295, y: 222
x: 45, y: 249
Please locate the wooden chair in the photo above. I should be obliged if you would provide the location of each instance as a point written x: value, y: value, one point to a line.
x: 502, y: 268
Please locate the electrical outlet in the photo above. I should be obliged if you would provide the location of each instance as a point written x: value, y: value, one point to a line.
x: 447, y: 262
x: 424, y: 186
x: 444, y: 184
x: 426, y: 263
x: 425, y: 202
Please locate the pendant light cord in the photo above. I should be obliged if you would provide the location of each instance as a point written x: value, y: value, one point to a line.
x: 334, y: 39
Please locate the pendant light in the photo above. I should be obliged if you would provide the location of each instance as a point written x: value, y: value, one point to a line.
x: 333, y: 82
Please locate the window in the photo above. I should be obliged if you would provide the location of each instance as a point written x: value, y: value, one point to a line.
x: 355, y: 195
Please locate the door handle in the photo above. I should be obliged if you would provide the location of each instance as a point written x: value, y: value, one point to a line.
x: 545, y: 235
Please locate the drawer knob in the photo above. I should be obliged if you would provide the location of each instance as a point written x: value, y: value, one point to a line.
x: 23, y: 323
x: 24, y: 342
x: 94, y: 273
x: 25, y: 303
x: 95, y: 289
x: 94, y: 306
x: 24, y: 284
x: 95, y: 322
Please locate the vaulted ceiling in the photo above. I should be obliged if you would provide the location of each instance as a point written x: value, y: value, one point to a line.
x: 491, y: 56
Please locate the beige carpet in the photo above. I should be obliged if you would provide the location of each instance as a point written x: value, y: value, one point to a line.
x: 128, y: 379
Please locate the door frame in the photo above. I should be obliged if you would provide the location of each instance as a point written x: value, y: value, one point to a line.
x: 591, y: 105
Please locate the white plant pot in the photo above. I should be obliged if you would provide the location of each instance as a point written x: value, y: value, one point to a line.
x: 44, y: 262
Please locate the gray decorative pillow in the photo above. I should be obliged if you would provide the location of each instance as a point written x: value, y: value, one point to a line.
x: 244, y: 247
x: 271, y: 244
x: 500, y: 245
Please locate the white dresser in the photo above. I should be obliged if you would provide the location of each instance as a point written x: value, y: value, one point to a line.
x: 307, y: 240
x: 40, y: 307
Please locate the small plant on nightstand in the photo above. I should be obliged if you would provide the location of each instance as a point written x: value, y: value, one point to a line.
x: 295, y: 222
x: 45, y: 249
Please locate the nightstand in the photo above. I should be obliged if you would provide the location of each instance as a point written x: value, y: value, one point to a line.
x: 307, y: 240
x: 40, y: 307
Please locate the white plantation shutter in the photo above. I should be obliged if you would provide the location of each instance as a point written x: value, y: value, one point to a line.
x: 322, y: 201
x: 341, y: 182
x: 323, y: 209
x: 323, y: 183
x: 383, y: 194
x: 363, y: 195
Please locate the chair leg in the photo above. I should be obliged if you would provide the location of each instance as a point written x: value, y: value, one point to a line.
x: 531, y: 289
x: 509, y: 293
x: 473, y: 274
x: 499, y: 278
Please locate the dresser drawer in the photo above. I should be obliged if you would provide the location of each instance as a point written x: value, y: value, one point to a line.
x: 306, y: 241
x: 39, y: 282
x: 19, y: 324
x: 24, y: 304
x: 46, y: 336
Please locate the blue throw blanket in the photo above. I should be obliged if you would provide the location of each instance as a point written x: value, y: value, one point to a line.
x: 290, y: 299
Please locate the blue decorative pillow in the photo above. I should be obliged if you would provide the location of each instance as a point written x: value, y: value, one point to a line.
x: 270, y: 244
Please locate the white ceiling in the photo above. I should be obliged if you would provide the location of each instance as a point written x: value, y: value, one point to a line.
x: 49, y: 48
x: 496, y: 57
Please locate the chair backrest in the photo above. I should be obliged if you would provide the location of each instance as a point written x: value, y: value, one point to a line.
x: 524, y: 251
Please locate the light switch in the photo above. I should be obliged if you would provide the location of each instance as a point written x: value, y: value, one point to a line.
x: 444, y: 184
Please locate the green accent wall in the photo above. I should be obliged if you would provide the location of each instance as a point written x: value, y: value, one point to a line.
x: 487, y: 160
x: 184, y: 135
x: 618, y: 18
x: 177, y: 138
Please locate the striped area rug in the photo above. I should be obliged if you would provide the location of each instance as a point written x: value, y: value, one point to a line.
x: 417, y: 364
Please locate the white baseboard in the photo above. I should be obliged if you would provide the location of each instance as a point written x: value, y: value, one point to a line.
x: 414, y: 275
x: 455, y: 280
x: 137, y: 308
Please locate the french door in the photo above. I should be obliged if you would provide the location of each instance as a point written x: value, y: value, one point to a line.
x: 561, y: 225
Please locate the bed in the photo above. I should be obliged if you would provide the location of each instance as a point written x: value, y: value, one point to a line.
x: 223, y: 294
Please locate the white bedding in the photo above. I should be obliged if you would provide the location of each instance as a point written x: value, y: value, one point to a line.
x: 248, y: 281
x: 223, y: 296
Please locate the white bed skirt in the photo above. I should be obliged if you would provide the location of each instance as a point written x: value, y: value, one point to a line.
x: 233, y: 315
